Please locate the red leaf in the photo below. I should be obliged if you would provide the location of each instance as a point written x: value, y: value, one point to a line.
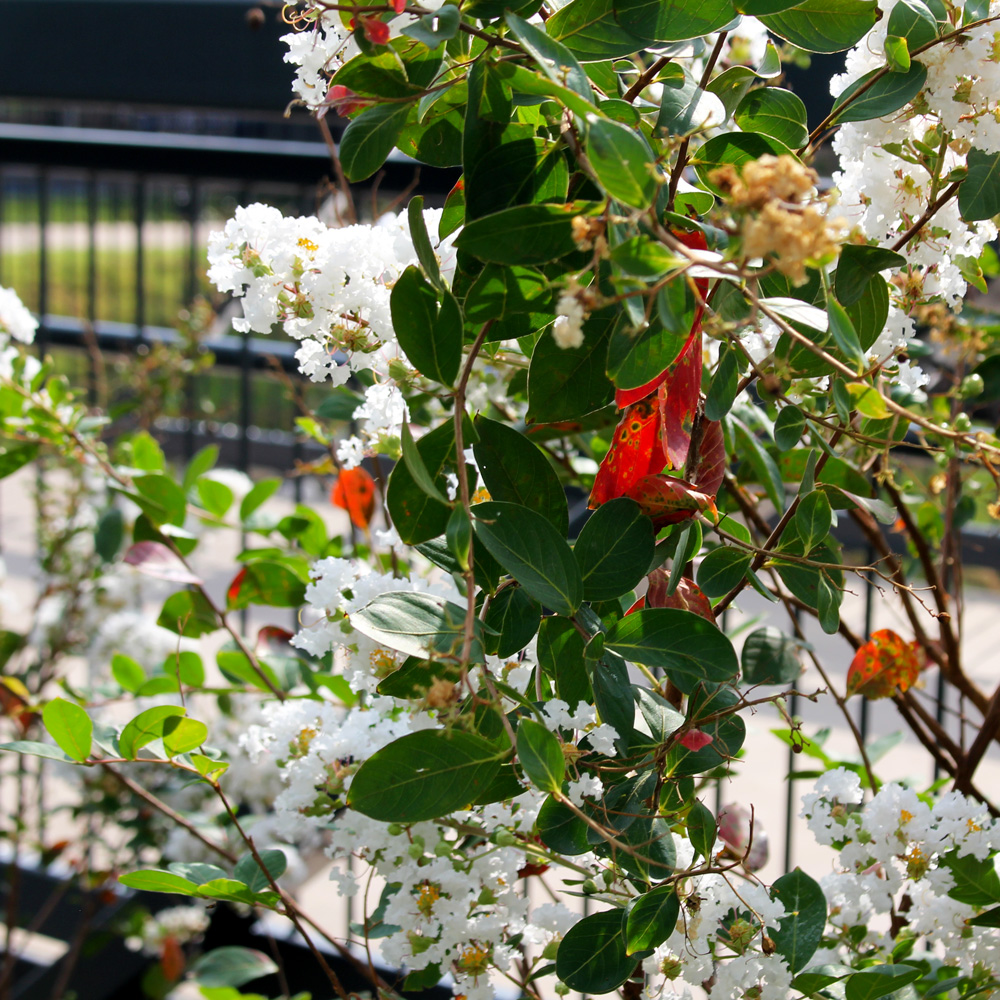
x: 354, y: 491
x: 635, y: 452
x: 399, y: 6
x: 687, y: 596
x: 882, y: 664
x: 666, y: 500
x: 272, y: 639
x: 638, y: 606
x: 155, y: 559
x: 710, y: 469
x: 232, y: 595
x: 678, y: 398
x: 695, y: 740
x: 343, y: 101
x: 172, y: 959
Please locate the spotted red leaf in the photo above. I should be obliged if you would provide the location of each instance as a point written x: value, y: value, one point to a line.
x: 354, y: 491
x: 687, y: 596
x: 678, y: 398
x: 666, y: 500
x: 635, y: 452
x: 883, y: 664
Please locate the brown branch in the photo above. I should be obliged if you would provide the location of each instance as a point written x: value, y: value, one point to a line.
x: 645, y: 79
x: 932, y: 209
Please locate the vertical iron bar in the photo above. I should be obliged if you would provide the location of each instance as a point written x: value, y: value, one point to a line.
x: 139, y: 215
x: 92, y: 282
x: 191, y: 290
x: 43, y: 259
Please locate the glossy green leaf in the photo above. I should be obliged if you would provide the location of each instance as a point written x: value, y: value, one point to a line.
x: 813, y: 518
x: 417, y: 516
x: 231, y: 966
x: 775, y: 112
x: 913, y: 21
x: 423, y: 775
x: 722, y: 569
x: 844, y: 334
x: 884, y: 94
x: 369, y: 139
x: 614, y: 549
x: 623, y: 162
x: 897, y: 54
x: 515, y: 471
x: 553, y: 58
x: 436, y: 28
x: 799, y: 931
x: 188, y: 613
x: 701, y: 829
x: 184, y: 735
x: 769, y: 656
x: 35, y: 749
x: 256, y: 878
x: 153, y: 724
x: 540, y: 756
x: 789, y: 428
x: 524, y: 234
x: 764, y: 468
x: 429, y: 333
x: 879, y: 981
x: 673, y: 20
x: 592, y: 956
x: 689, y: 648
x: 70, y: 726
x: 858, y: 266
x: 976, y: 880
x: 560, y: 829
x: 824, y: 25
x: 590, y: 30
x: 652, y: 919
x: 109, y: 534
x: 156, y: 880
x: 12, y: 459
x: 685, y: 108
x: 516, y: 617
x: 421, y: 625
x: 979, y: 193
x: 533, y: 552
x: 636, y: 358
x: 561, y: 656
x: 129, y: 674
x: 725, y: 382
x: 419, y: 235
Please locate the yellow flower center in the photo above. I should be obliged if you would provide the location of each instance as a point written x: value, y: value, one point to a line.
x: 429, y: 895
x: 904, y: 817
x: 475, y: 959
x: 308, y: 245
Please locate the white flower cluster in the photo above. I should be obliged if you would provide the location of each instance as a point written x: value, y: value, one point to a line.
x: 15, y: 320
x: 883, y: 183
x: 179, y: 923
x: 893, y: 847
x: 328, y: 288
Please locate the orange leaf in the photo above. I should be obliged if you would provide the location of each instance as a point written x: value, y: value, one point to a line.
x: 666, y: 500
x: 354, y: 491
x: 234, y: 588
x: 172, y: 959
x: 882, y: 664
x: 635, y: 452
x: 687, y: 597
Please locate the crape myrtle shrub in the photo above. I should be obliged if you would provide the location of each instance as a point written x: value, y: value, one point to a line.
x: 636, y: 288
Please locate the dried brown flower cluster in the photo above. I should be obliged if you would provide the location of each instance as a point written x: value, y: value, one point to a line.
x: 781, y: 216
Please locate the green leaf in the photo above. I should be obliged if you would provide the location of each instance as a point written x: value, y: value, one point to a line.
x: 156, y: 880
x: 417, y: 516
x: 129, y: 674
x: 265, y: 582
x: 421, y: 625
x: 897, y: 54
x: 153, y: 724
x: 799, y: 931
x: 613, y: 695
x: 701, y: 829
x: 844, y: 334
x: 689, y: 648
x: 813, y: 519
x: 435, y: 28
x: 561, y: 830
x: 561, y: 657
x: 824, y: 25
x: 12, y: 459
x: 553, y: 58
x: 623, y: 162
x: 673, y: 20
x: 879, y: 981
x: 515, y: 471
x: 423, y: 775
x: 34, y: 749
x: 725, y: 382
x: 259, y: 494
x: 913, y: 21
x: 979, y: 193
x: 516, y: 617
x: 636, y: 358
x: 109, y: 533
x: 369, y: 139
x: 590, y: 30
x: 684, y: 107
x: 540, y: 756
x: 989, y: 918
x: 200, y: 463
x: 788, y: 428
x: 418, y: 231
x: 614, y: 549
x: 722, y: 569
x: 775, y: 112
x: 858, y: 266
x: 564, y: 384
x: 416, y: 467
x: 253, y: 876
x: 161, y: 499
x: 533, y: 552
x: 431, y: 336
x: 765, y: 469
x: 592, y: 956
x: 524, y: 235
x: 770, y: 657
x: 888, y: 93
x: 976, y: 881
x: 230, y: 966
x: 70, y: 726
x: 652, y: 919
x: 184, y: 735
x: 214, y: 496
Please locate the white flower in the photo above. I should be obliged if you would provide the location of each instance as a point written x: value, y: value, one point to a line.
x: 15, y: 320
